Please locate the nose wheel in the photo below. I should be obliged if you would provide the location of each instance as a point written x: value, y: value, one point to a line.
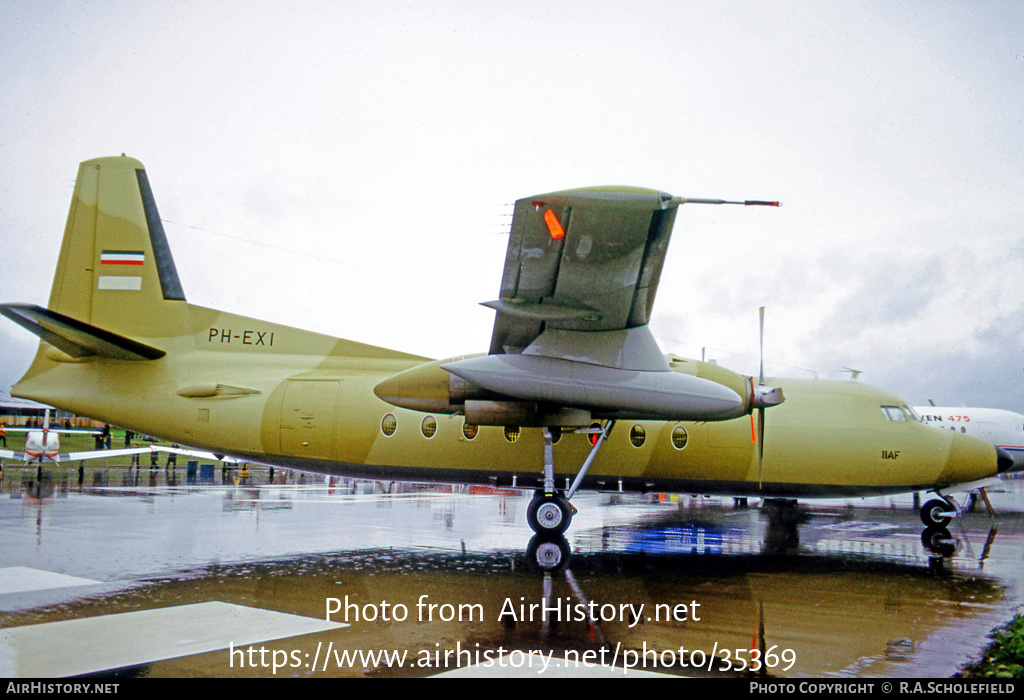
x: 937, y: 513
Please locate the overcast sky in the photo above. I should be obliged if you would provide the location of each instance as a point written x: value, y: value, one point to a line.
x: 346, y: 166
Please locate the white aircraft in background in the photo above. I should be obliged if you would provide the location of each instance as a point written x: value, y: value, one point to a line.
x: 42, y: 444
x: 1003, y: 429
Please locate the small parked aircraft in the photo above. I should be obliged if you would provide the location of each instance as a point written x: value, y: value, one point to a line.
x: 43, y: 444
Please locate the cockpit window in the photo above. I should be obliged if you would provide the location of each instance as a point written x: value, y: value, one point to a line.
x: 911, y: 414
x: 893, y: 413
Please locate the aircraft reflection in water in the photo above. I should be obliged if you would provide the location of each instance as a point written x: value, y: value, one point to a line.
x: 855, y: 596
x: 820, y: 615
x: 570, y: 356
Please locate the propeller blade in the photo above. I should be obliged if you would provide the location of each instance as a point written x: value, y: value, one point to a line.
x: 761, y: 375
x: 761, y: 643
x: 760, y: 411
x: 760, y: 446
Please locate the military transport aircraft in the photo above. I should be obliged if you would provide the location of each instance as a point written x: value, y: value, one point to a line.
x: 570, y: 358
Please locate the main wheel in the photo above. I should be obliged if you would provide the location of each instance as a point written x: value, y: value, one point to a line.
x: 933, y: 513
x: 549, y: 514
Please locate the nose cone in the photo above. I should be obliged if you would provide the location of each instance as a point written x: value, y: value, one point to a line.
x: 1005, y: 462
x: 970, y: 459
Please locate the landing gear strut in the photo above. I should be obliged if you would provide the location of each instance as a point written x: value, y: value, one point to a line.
x: 550, y: 512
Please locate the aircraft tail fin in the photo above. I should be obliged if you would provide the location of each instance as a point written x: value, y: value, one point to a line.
x: 115, y: 270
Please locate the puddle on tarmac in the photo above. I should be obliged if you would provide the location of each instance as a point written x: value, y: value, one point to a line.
x: 429, y: 570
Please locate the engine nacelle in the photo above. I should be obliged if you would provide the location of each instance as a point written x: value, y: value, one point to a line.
x: 537, y: 391
x: 430, y: 389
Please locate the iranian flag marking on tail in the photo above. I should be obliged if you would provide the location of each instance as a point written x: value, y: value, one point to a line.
x: 122, y: 257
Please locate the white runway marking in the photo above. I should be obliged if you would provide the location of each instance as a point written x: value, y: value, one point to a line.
x: 21, y: 579
x: 105, y: 642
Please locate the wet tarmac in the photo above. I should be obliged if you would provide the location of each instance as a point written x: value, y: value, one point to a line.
x: 387, y: 579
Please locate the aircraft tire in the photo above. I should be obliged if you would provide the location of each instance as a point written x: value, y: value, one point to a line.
x: 548, y: 553
x: 549, y: 514
x: 938, y: 541
x: 931, y: 513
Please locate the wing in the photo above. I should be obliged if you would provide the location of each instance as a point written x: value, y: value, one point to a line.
x: 581, y: 260
x: 200, y: 454
x: 99, y: 454
x: 571, y: 341
x: 581, y: 274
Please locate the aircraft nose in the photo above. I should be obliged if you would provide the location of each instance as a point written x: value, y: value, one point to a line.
x: 1004, y: 460
x: 969, y: 459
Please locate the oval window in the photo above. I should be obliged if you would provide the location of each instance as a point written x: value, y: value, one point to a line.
x: 428, y: 426
x: 389, y: 424
x: 470, y: 430
x: 637, y: 435
x: 679, y: 437
x: 511, y: 433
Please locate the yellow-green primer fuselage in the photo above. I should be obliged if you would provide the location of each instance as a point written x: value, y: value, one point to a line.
x: 121, y: 344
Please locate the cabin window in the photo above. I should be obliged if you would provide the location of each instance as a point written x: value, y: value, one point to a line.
x: 893, y: 413
x: 511, y: 433
x: 389, y: 424
x: 470, y: 430
x: 679, y: 437
x: 637, y: 435
x: 428, y: 426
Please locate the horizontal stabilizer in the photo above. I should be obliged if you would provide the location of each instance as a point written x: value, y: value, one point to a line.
x: 76, y: 338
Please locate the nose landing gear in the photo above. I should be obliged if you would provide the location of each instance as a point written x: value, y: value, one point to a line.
x: 937, y: 513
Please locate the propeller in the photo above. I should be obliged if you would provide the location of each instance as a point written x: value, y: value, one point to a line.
x: 763, y: 397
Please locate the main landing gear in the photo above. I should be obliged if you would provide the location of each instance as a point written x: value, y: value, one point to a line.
x: 550, y: 512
